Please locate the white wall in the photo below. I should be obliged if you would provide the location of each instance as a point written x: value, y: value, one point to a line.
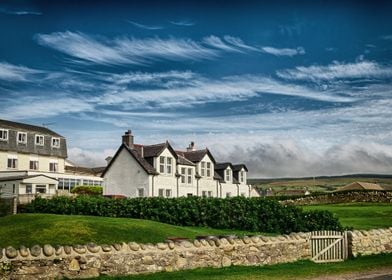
x: 165, y: 181
x: 125, y: 176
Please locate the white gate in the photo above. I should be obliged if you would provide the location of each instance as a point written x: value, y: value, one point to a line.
x: 328, y: 246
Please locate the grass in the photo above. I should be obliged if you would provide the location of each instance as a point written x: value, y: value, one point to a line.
x: 359, y: 215
x: 31, y: 229
x: 297, y: 270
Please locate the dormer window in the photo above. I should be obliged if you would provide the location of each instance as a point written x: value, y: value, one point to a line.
x: 165, y: 165
x: 55, y: 142
x: 3, y: 134
x: 22, y: 138
x: 202, y: 168
x: 228, y: 175
x: 208, y: 169
x: 169, y: 165
x: 39, y: 140
x: 241, y: 176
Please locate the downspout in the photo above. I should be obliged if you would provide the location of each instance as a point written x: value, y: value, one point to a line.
x: 238, y: 189
x: 152, y: 186
x: 217, y: 189
x: 220, y: 184
x: 197, y: 186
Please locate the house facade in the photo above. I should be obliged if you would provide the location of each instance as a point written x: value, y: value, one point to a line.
x: 33, y: 160
x: 159, y: 170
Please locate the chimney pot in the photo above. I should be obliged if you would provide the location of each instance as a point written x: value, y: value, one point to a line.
x: 127, y: 138
x: 191, y: 147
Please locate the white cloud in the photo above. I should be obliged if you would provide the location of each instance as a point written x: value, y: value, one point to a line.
x: 235, y: 41
x: 14, y: 73
x: 338, y: 70
x: 124, y: 50
x: 183, y: 23
x: 218, y: 43
x: 387, y: 37
x: 83, y: 157
x: 144, y: 26
x: 20, y: 12
x: 283, y: 51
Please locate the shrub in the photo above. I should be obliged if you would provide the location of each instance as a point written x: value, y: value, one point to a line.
x: 250, y: 214
x: 88, y: 190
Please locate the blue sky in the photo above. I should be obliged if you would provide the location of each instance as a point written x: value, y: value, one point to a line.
x: 291, y: 89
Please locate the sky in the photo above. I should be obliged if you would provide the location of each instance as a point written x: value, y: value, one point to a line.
x: 290, y: 88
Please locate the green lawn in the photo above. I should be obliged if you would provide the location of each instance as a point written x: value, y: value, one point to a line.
x: 297, y: 270
x: 359, y: 215
x: 30, y: 229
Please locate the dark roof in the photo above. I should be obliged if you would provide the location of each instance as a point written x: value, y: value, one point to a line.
x: 238, y: 167
x: 154, y: 150
x: 196, y: 156
x: 84, y: 170
x: 182, y: 160
x: 23, y: 126
x: 22, y: 177
x: 223, y: 165
x: 143, y: 163
x: 218, y: 177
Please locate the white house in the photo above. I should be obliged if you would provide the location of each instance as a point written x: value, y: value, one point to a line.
x: 158, y: 170
x: 33, y: 160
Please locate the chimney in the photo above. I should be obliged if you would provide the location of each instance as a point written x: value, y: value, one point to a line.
x: 127, y: 138
x: 191, y: 147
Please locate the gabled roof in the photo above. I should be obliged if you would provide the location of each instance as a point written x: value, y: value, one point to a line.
x: 238, y: 167
x: 27, y: 127
x: 142, y: 162
x: 223, y: 165
x: 23, y: 177
x: 218, y: 177
x: 156, y: 149
x: 196, y: 156
x: 361, y: 186
x: 183, y: 161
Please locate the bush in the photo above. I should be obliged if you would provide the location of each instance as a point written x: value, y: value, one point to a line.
x: 249, y: 214
x: 88, y: 190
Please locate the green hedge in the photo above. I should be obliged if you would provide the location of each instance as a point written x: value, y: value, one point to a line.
x: 88, y: 190
x: 250, y: 214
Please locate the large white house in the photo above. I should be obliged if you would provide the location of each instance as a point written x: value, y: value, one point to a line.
x: 158, y: 170
x: 33, y: 160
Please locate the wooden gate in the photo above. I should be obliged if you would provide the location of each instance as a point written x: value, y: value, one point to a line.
x: 328, y: 246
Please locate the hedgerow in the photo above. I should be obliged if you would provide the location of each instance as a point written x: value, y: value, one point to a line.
x: 250, y: 214
x: 88, y: 190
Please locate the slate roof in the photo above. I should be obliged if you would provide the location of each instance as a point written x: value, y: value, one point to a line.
x: 28, y: 127
x: 223, y: 165
x: 183, y: 161
x: 238, y: 167
x: 84, y: 170
x: 196, y: 156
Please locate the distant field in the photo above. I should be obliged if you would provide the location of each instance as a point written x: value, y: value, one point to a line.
x: 321, y: 183
x: 359, y: 215
x: 31, y: 229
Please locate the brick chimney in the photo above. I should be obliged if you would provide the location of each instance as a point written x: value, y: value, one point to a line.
x: 127, y: 138
x: 191, y: 147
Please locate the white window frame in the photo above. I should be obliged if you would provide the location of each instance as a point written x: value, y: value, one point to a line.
x: 228, y: 175
x: 242, y: 176
x: 204, y: 194
x: 162, y: 161
x: 37, y: 164
x: 183, y: 175
x: 38, y: 143
x: 169, y: 165
x: 19, y: 135
x: 228, y: 194
x: 209, y: 193
x: 14, y: 162
x: 55, y: 164
x: 189, y: 176
x: 54, y: 140
x: 208, y: 169
x: 4, y: 134
x: 202, y: 168
x: 168, y: 192
x: 161, y: 192
x: 140, y: 192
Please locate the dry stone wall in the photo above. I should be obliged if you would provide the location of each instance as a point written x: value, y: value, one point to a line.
x: 371, y: 242
x: 79, y: 261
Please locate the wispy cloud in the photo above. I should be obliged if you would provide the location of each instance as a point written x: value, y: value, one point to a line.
x: 218, y: 43
x: 387, y: 37
x: 20, y: 12
x: 145, y: 26
x: 338, y: 70
x: 10, y: 72
x: 283, y: 51
x: 238, y: 42
x: 183, y: 23
x: 124, y: 50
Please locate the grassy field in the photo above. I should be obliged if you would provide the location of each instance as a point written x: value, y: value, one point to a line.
x: 298, y: 270
x: 30, y: 229
x: 359, y: 215
x: 320, y: 183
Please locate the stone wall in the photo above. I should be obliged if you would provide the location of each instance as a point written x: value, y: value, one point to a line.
x: 124, y: 259
x: 342, y: 197
x: 370, y: 242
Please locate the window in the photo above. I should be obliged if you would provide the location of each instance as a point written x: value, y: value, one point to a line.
x: 204, y: 193
x: 140, y: 192
x: 208, y: 169
x: 169, y: 165
x: 39, y: 140
x: 13, y: 188
x: 12, y: 162
x: 4, y: 134
x: 228, y: 194
x: 203, y: 168
x: 161, y: 164
x: 40, y: 189
x: 55, y: 142
x: 183, y: 169
x: 242, y: 176
x: 160, y: 192
x: 228, y: 175
x: 190, y: 176
x: 29, y: 188
x: 189, y: 194
x: 168, y: 193
x: 242, y: 194
x: 53, y: 166
x: 209, y: 193
x: 22, y: 137
x: 33, y: 164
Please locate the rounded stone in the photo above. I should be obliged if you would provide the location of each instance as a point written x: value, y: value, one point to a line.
x: 92, y: 247
x: 134, y: 246
x: 80, y: 249
x: 148, y: 260
x: 226, y: 261
x: 74, y: 265
x: 106, y: 248
x: 48, y: 250
x: 203, y: 242
x: 231, y: 240
x: 162, y: 246
x: 186, y: 244
x: 217, y: 242
x: 211, y: 242
x: 35, y: 250
x: 68, y: 249
x: 117, y: 246
x: 11, y: 252
x: 247, y: 240
x: 265, y: 238
x: 255, y: 239
x: 196, y: 243
x: 171, y: 245
x: 23, y: 251
x: 58, y: 250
